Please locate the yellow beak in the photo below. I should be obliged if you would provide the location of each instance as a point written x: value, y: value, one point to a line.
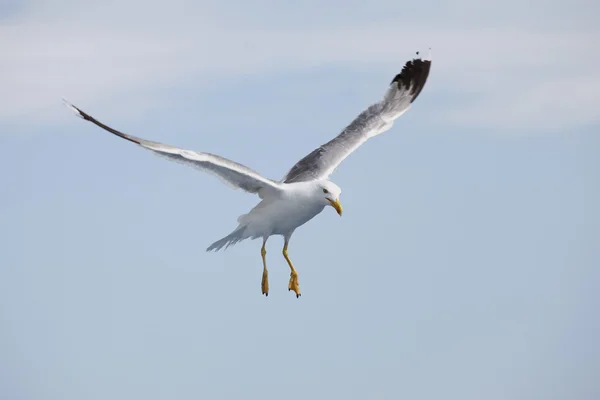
x: 336, y: 204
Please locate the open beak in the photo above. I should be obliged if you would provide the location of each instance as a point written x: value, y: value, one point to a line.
x: 336, y: 204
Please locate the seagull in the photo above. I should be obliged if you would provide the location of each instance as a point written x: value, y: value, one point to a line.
x: 306, y: 189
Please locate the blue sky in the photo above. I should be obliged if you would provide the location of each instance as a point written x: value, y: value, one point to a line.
x: 465, y: 265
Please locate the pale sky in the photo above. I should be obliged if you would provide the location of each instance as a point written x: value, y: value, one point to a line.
x: 465, y: 266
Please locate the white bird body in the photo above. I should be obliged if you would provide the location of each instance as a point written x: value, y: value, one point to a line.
x: 305, y: 190
x: 281, y: 215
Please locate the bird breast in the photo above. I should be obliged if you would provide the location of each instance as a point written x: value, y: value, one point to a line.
x: 281, y: 216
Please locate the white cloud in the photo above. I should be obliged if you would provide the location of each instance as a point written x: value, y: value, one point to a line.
x: 529, y: 75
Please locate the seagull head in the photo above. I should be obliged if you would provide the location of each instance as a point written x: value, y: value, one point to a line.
x: 330, y: 193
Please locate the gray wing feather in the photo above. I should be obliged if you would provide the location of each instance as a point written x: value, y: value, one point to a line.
x: 376, y: 119
x: 235, y: 175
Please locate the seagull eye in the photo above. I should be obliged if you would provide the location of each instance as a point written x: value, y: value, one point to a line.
x: 325, y: 191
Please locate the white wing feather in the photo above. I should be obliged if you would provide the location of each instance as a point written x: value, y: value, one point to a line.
x: 376, y: 119
x: 235, y: 175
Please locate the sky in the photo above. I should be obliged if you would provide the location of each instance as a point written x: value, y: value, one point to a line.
x: 465, y: 265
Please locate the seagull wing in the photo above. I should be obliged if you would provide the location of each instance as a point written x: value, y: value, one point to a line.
x: 376, y: 119
x: 235, y: 175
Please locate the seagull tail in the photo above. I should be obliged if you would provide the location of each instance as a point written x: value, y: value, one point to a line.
x: 229, y: 240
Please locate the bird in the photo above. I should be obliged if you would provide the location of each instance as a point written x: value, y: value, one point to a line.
x: 306, y: 189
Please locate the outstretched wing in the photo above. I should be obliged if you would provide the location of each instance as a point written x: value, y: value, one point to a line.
x: 378, y: 118
x: 235, y: 175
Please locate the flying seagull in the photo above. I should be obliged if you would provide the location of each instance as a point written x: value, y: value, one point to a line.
x: 306, y: 189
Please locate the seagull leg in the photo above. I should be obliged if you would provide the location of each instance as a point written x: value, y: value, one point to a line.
x: 293, y: 285
x: 265, y: 275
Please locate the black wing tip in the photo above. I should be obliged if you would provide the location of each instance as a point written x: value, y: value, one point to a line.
x: 81, y: 114
x: 414, y: 75
x: 78, y: 112
x: 75, y: 110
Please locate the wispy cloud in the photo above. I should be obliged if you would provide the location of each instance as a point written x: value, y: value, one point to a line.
x: 533, y: 70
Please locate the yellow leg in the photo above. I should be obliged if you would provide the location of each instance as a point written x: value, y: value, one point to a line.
x: 293, y: 285
x: 265, y: 276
